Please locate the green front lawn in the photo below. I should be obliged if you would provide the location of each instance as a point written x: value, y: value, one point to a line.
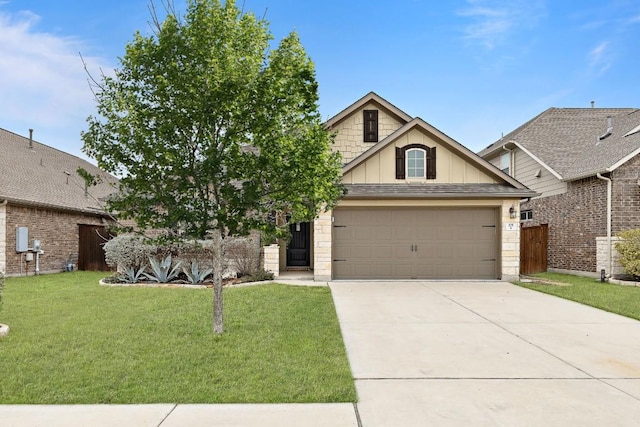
x: 73, y: 341
x: 624, y: 300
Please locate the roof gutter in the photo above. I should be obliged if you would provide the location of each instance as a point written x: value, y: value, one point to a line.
x: 609, y: 185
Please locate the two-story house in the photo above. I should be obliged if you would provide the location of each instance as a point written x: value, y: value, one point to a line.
x: 585, y: 164
x: 419, y: 205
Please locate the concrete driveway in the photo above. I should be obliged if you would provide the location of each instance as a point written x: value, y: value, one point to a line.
x: 486, y: 354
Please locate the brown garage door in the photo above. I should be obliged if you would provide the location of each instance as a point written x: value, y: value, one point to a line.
x: 415, y: 243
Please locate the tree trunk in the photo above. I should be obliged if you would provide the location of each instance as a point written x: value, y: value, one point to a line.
x: 217, y: 321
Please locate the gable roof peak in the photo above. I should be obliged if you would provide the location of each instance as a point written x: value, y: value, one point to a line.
x: 368, y: 98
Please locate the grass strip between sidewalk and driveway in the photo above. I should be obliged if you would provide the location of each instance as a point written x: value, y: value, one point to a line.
x: 623, y: 300
x: 73, y: 341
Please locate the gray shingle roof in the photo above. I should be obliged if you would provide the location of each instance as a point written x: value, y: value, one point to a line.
x: 567, y: 139
x: 406, y: 190
x: 36, y: 176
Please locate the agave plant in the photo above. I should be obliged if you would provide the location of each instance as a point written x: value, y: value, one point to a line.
x: 131, y: 275
x: 194, y: 275
x: 162, y: 271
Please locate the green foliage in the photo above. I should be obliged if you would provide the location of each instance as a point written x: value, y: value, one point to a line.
x: 1, y: 287
x: 128, y: 252
x: 210, y: 129
x: 629, y: 250
x: 162, y: 271
x: 623, y: 300
x: 132, y: 274
x: 194, y: 274
x: 259, y: 276
x: 76, y: 342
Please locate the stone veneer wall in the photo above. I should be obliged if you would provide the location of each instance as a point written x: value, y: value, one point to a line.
x: 57, y: 230
x: 350, y: 139
x: 322, y: 246
x: 575, y: 219
x: 602, y: 261
x: 509, y: 243
x: 271, y: 259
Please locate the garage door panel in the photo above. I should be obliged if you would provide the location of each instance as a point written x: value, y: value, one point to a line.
x: 424, y: 243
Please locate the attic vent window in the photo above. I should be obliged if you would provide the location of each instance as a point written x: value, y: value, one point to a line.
x: 370, y: 125
x: 632, y: 131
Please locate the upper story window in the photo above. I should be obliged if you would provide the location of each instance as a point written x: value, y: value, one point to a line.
x: 415, y: 158
x: 370, y: 125
x: 505, y: 163
x: 415, y: 161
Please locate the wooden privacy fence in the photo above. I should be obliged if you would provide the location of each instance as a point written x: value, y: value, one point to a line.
x: 91, y: 252
x: 533, y: 249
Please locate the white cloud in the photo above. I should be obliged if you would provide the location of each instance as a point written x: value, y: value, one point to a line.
x: 600, y: 58
x: 494, y: 20
x: 44, y: 84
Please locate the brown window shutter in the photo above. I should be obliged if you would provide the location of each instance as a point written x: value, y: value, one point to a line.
x: 400, y: 163
x: 431, y: 163
x: 370, y: 125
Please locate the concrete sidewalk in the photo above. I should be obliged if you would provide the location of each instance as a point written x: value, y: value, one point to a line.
x: 169, y: 415
x: 436, y: 353
x: 486, y: 354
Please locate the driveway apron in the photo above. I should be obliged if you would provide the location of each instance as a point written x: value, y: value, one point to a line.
x: 486, y: 354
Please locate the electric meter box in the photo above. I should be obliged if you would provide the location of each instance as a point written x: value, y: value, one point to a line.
x: 22, y: 239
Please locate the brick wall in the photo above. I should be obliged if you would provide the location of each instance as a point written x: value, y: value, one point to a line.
x: 575, y: 219
x: 56, y: 230
x: 626, y: 197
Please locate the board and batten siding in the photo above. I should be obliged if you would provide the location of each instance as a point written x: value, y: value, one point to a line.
x: 349, y: 140
x: 450, y: 168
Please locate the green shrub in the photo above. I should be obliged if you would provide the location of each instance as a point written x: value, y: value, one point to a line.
x: 124, y: 252
x: 258, y: 276
x: 629, y: 250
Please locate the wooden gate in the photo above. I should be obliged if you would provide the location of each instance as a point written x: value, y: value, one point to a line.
x: 533, y: 249
x: 90, y: 248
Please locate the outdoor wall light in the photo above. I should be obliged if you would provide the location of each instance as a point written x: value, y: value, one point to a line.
x: 513, y: 213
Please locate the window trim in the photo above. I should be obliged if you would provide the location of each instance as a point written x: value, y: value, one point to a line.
x: 424, y: 163
x: 370, y: 117
x: 526, y: 215
x: 506, y: 169
x: 429, y: 164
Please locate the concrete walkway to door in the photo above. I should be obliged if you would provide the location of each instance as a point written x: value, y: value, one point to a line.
x: 486, y: 354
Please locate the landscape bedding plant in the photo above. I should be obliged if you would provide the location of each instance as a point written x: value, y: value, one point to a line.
x: 623, y: 300
x: 75, y: 342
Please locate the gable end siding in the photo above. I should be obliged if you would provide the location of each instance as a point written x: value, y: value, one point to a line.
x: 349, y: 132
x: 525, y: 170
x: 380, y: 168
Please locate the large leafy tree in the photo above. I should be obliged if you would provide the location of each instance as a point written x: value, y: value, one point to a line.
x: 212, y: 131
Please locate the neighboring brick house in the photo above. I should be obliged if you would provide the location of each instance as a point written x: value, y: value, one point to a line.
x: 42, y: 198
x: 570, y: 156
x: 419, y: 205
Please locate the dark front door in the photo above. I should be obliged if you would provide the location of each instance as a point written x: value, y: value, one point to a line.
x: 90, y: 251
x: 299, y: 248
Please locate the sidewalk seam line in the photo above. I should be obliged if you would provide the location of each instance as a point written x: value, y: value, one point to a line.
x: 167, y: 416
x: 355, y: 408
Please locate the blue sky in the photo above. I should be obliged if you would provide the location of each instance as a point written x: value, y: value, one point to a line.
x: 472, y: 68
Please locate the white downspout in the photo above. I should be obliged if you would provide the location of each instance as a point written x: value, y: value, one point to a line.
x: 512, y: 163
x: 609, y: 184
